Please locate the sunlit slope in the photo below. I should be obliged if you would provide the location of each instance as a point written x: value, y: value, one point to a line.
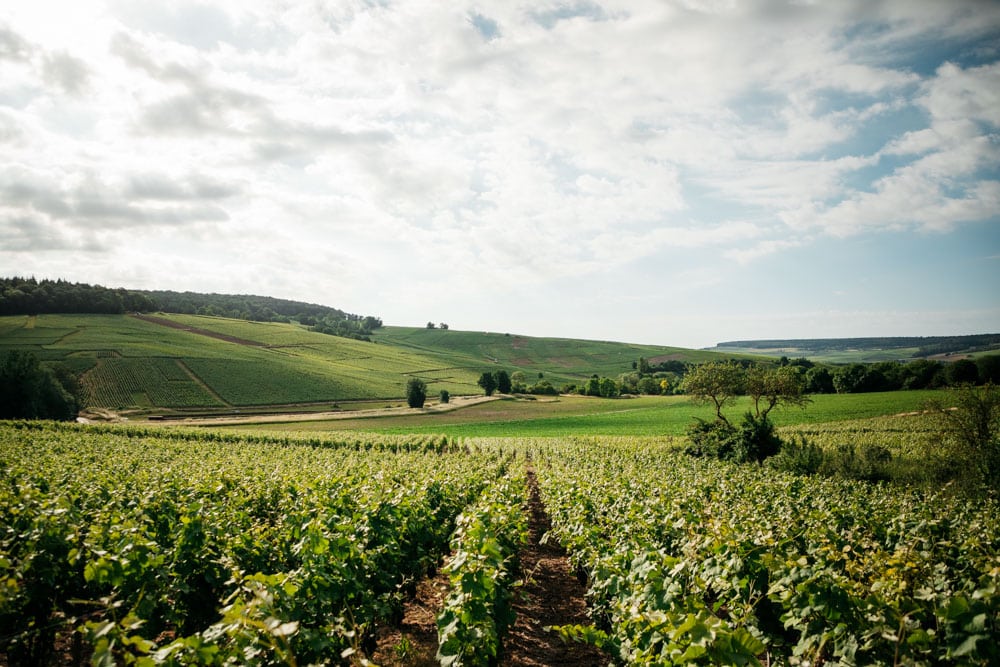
x: 189, y: 361
x: 558, y: 359
x: 129, y: 362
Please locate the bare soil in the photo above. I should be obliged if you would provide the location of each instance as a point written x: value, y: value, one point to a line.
x: 551, y: 595
x: 414, y: 643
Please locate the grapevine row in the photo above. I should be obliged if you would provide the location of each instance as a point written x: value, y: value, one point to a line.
x: 695, y: 562
x: 177, y: 550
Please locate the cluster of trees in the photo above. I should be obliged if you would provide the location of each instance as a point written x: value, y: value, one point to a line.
x: 30, y: 389
x: 499, y: 380
x: 853, y: 378
x: 431, y: 325
x: 918, y: 374
x: 359, y: 328
x: 28, y: 296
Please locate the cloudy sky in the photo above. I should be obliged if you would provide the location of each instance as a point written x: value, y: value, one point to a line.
x: 679, y: 172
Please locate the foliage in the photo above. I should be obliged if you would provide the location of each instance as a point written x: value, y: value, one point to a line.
x: 27, y: 296
x: 716, y: 382
x: 752, y: 440
x: 445, y: 396
x: 31, y: 297
x: 608, y: 388
x: 969, y: 427
x: 503, y: 382
x: 769, y: 388
x: 30, y: 390
x: 697, y: 562
x: 543, y: 388
x: 488, y: 382
x: 477, y: 610
x: 416, y: 392
x: 865, y: 462
x: 798, y: 455
x: 173, y: 547
x: 923, y: 346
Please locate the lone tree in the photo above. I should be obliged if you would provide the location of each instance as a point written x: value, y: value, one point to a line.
x: 754, y: 438
x: 416, y: 392
x: 715, y: 382
x: 488, y: 382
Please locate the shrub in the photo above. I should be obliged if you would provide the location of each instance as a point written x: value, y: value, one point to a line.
x: 755, y: 439
x: 799, y: 455
x: 870, y: 463
x: 969, y: 430
x: 416, y: 392
x: 445, y: 396
x: 712, y: 439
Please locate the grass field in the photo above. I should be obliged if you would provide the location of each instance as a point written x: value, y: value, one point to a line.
x: 579, y: 415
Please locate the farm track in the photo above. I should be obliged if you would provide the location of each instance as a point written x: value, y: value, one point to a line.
x: 200, y: 332
x: 551, y: 595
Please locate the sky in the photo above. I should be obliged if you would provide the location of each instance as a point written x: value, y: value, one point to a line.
x: 673, y: 172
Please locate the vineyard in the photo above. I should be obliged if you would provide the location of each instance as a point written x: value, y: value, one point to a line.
x: 125, y: 545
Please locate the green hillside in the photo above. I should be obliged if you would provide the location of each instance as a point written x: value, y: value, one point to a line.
x: 560, y: 360
x: 194, y: 362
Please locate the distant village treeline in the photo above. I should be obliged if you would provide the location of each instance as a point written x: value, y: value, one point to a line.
x: 28, y: 296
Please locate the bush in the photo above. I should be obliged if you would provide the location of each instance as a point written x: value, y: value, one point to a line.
x: 756, y: 439
x: 416, y: 392
x: 713, y: 439
x: 753, y: 440
x: 445, y: 396
x: 543, y: 388
x: 969, y: 431
x: 31, y: 390
x: 870, y: 463
x: 799, y: 455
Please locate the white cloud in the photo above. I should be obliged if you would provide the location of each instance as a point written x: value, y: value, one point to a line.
x: 508, y: 143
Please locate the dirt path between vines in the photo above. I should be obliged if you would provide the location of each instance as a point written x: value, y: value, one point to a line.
x: 551, y: 595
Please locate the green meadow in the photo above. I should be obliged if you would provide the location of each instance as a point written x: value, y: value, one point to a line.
x: 580, y: 415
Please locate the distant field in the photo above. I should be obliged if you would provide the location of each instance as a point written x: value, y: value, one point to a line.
x: 578, y: 415
x: 827, y: 356
x: 868, y: 350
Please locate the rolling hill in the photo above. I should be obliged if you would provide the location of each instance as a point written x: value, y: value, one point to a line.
x: 182, y: 363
